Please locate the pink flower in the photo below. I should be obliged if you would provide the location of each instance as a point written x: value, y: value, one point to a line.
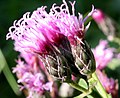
x: 36, y: 32
x: 103, y: 54
x: 35, y: 83
x: 110, y: 85
x: 31, y: 74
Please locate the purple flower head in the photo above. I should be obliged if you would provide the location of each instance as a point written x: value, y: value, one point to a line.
x: 46, y: 34
x: 103, y: 54
x: 110, y: 85
x: 36, y: 32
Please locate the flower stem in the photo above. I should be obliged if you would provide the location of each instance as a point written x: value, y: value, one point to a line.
x: 99, y: 86
x: 10, y: 78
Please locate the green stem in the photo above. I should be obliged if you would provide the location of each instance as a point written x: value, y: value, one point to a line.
x: 99, y: 87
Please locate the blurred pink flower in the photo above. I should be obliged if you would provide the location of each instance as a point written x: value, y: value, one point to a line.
x: 98, y: 16
x: 110, y: 85
x: 32, y: 76
x: 103, y: 54
x: 106, y: 24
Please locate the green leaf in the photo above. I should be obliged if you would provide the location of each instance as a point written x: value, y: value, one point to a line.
x: 89, y: 96
x: 83, y: 83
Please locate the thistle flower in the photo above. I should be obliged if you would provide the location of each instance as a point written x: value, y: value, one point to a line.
x: 43, y: 33
x: 103, y: 54
x: 110, y: 85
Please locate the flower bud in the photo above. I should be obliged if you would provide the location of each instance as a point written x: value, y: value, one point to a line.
x: 65, y: 50
x: 84, y: 59
x: 109, y: 27
x: 57, y: 65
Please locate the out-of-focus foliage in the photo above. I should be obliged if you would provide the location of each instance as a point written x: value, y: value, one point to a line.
x: 11, y: 10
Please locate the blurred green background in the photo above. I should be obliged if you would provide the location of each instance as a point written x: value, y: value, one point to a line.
x: 11, y: 10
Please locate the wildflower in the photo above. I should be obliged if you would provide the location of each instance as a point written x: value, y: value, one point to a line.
x: 103, y: 54
x: 110, y: 85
